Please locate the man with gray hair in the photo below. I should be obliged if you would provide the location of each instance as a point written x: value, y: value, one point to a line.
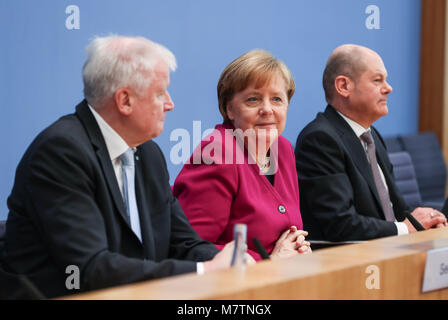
x: 347, y: 189
x: 92, y: 192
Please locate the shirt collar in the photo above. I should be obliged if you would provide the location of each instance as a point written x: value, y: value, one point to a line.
x: 115, y: 144
x: 356, y: 127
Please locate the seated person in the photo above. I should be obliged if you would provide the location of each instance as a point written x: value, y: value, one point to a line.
x: 243, y: 172
x: 92, y: 190
x: 346, y: 180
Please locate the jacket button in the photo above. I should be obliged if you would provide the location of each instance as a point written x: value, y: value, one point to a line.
x: 281, y: 209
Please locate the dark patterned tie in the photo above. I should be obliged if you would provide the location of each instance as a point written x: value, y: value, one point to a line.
x: 380, y: 187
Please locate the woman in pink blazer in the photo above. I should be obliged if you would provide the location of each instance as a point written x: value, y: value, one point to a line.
x: 244, y: 171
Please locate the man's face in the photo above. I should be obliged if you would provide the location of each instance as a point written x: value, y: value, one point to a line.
x: 149, y: 110
x: 368, y: 96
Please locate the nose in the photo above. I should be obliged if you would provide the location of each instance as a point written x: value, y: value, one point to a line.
x: 169, y: 104
x: 387, y: 88
x: 266, y: 108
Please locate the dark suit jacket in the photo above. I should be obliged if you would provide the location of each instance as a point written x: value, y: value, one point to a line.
x: 338, y: 196
x: 66, y: 209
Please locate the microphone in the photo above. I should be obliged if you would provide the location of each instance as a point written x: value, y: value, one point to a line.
x: 239, y: 251
x: 413, y: 221
x: 261, y: 250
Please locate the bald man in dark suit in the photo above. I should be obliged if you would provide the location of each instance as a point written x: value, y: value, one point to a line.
x: 345, y: 177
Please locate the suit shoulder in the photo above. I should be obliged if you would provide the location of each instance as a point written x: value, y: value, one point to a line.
x: 320, y: 122
x: 378, y: 134
x: 320, y: 129
x: 284, y: 142
x: 64, y: 132
x: 151, y: 146
x: 285, y: 145
x: 61, y: 147
x: 151, y: 150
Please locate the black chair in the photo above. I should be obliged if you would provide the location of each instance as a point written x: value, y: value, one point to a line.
x: 445, y: 208
x: 393, y: 144
x: 2, y: 235
x: 17, y: 287
x: 429, y: 167
x: 405, y: 178
x: 14, y: 286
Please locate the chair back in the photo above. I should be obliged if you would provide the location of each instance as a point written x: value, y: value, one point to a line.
x: 393, y: 144
x: 429, y: 165
x: 405, y: 178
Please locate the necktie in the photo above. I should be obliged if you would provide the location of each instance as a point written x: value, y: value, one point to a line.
x: 380, y: 187
x: 128, y: 172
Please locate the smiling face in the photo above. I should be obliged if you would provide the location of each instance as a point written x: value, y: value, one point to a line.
x: 261, y: 109
x: 368, y: 94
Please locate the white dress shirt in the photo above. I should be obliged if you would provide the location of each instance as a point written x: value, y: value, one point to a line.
x: 359, y: 130
x: 116, y: 147
x: 115, y: 144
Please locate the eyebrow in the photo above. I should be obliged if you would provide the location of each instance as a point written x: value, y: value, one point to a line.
x: 256, y: 91
x: 379, y: 73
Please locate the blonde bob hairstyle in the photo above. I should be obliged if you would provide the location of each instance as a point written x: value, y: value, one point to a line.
x: 254, y: 67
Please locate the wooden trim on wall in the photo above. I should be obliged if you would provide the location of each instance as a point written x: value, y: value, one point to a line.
x: 433, y: 71
x: 444, y: 138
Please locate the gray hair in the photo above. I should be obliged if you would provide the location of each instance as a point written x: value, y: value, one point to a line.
x: 347, y: 61
x: 114, y: 62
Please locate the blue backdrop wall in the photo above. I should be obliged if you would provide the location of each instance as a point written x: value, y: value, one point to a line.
x: 41, y: 59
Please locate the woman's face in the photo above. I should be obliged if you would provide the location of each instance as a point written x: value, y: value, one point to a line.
x: 262, y: 110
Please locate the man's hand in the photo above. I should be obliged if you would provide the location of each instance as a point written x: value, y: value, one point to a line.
x: 428, y: 218
x: 223, y: 259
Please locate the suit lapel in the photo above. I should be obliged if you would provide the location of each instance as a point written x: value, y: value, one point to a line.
x: 383, y: 160
x: 355, y: 148
x: 144, y: 210
x: 97, y: 140
x: 399, y: 206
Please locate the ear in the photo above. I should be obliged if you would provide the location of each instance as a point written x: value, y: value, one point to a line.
x: 229, y: 110
x: 123, y: 100
x: 343, y: 86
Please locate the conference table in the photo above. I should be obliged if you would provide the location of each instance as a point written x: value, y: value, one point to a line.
x: 386, y: 268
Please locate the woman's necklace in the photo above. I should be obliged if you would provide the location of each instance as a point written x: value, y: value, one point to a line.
x: 264, y: 165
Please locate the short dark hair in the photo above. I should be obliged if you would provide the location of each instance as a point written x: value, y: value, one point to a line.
x: 349, y: 63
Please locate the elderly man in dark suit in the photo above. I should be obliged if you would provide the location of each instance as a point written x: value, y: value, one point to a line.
x: 92, y: 191
x: 345, y: 177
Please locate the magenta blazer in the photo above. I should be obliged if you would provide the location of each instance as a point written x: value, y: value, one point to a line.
x: 215, y: 196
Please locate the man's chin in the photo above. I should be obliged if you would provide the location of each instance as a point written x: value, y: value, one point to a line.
x: 383, y: 110
x: 154, y: 134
